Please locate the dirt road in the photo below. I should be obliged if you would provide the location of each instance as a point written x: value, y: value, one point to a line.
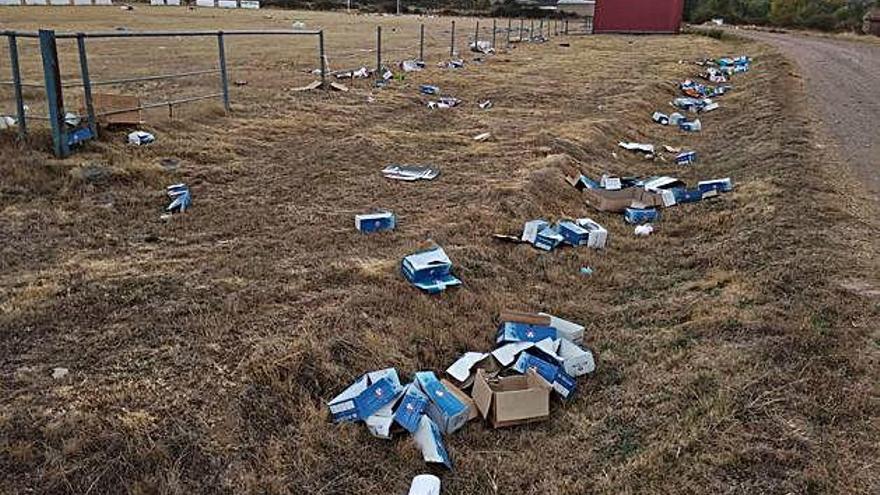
x: 843, y: 80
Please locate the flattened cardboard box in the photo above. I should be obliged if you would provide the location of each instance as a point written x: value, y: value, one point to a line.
x: 617, y: 201
x: 512, y: 400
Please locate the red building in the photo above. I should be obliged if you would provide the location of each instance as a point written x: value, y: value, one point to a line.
x: 638, y: 16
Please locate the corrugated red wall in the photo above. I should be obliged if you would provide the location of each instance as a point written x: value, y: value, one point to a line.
x: 638, y: 16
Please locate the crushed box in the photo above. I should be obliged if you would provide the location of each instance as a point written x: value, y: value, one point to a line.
x: 444, y: 408
x: 365, y: 396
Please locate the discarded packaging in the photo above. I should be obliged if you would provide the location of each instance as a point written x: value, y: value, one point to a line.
x: 427, y: 89
x: 412, y: 65
x: 140, y: 138
x: 180, y: 197
x: 444, y: 407
x: 686, y: 158
x: 660, y: 118
x: 312, y: 86
x: 586, y: 270
x: 512, y: 400
x: 694, y: 126
x: 540, y: 234
x: 444, y: 102
x: 482, y: 137
x: 378, y: 221
x: 430, y: 441
x: 641, y: 215
x: 484, y: 47
x: 429, y: 270
x: 337, y: 87
x: 644, y: 148
x: 485, y: 105
x: 425, y: 484
x: 410, y: 172
x: 411, y: 407
x: 644, y: 230
x: 366, y: 396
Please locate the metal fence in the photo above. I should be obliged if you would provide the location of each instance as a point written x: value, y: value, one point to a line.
x: 391, y: 46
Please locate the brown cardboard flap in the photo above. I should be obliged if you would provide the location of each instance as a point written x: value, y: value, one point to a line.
x: 463, y: 397
x: 521, y: 317
x: 604, y: 200
x: 482, y: 394
x: 518, y: 405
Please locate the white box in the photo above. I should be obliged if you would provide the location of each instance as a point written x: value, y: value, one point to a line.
x: 227, y: 4
x: 204, y: 3
x: 250, y: 4
x: 59, y: 2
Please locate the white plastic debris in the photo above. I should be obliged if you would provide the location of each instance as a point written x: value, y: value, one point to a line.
x: 140, y: 138
x: 644, y: 148
x: 486, y: 105
x: 425, y: 484
x: 59, y: 373
x: 482, y: 137
x: 7, y: 122
x: 644, y: 230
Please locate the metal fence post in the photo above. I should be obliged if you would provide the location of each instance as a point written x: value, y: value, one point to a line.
x: 531, y: 30
x: 566, y: 26
x: 323, y: 59
x: 509, y: 23
x: 87, y: 83
x: 541, y: 28
x: 16, y: 83
x: 224, y: 79
x: 494, y: 25
x: 521, y: 22
x: 422, y: 42
x: 477, y: 33
x: 54, y: 96
x: 378, y: 50
x: 452, y: 43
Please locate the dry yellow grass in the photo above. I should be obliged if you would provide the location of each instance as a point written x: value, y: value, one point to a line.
x: 732, y: 358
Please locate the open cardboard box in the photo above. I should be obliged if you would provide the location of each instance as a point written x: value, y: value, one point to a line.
x: 617, y: 201
x: 512, y: 400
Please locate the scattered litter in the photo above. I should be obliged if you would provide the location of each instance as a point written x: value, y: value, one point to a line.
x: 452, y: 64
x: 688, y: 126
x: 180, y: 197
x: 677, y: 118
x: 429, y: 270
x: 7, y: 122
x: 311, y: 86
x: 126, y: 7
x: 486, y: 105
x: 427, y: 89
x: 643, y: 148
x: 639, y: 216
x: 337, y: 87
x: 670, y: 149
x: 59, y: 373
x: 444, y: 102
x: 697, y: 90
x: 686, y: 158
x: 241, y: 82
x: 412, y: 65
x: 484, y: 47
x: 140, y: 138
x: 580, y: 232
x: 410, y: 172
x: 565, y: 45
x: 361, y: 73
x: 72, y: 119
x: 298, y: 25
x: 689, y: 104
x: 586, y: 270
x: 425, y: 484
x: 482, y: 137
x: 644, y: 230
x: 660, y: 118
x: 507, y: 238
x: 378, y: 221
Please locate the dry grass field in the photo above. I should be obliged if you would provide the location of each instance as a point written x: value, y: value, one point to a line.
x: 737, y: 348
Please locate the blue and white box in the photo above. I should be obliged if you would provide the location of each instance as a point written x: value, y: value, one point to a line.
x: 545, y: 369
x: 444, y: 408
x: 548, y: 239
x: 576, y: 361
x: 366, y: 396
x: 686, y: 158
x: 639, y: 216
x: 717, y: 185
x: 597, y: 234
x: 683, y: 195
x: 429, y: 270
x: 573, y: 233
x: 430, y: 441
x: 378, y: 221
x: 411, y: 408
x: 512, y: 331
x: 180, y: 197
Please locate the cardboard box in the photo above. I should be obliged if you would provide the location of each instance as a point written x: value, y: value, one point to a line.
x: 430, y: 441
x: 576, y: 361
x: 638, y: 216
x: 444, y: 408
x: 511, y: 331
x: 463, y: 369
x: 366, y: 396
x: 378, y: 221
x: 617, y: 201
x: 464, y: 398
x: 429, y: 270
x: 411, y: 407
x: 597, y: 234
x: 551, y: 372
x: 512, y: 400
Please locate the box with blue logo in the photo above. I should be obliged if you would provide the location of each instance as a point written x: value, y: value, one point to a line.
x: 716, y: 185
x: 573, y: 233
x: 366, y: 396
x: 411, y: 407
x: 639, y: 216
x: 378, y: 221
x: 430, y: 440
x: 560, y: 381
x: 429, y: 270
x: 444, y: 408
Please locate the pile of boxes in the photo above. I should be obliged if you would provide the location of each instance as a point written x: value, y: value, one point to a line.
x: 579, y: 232
x: 536, y: 356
